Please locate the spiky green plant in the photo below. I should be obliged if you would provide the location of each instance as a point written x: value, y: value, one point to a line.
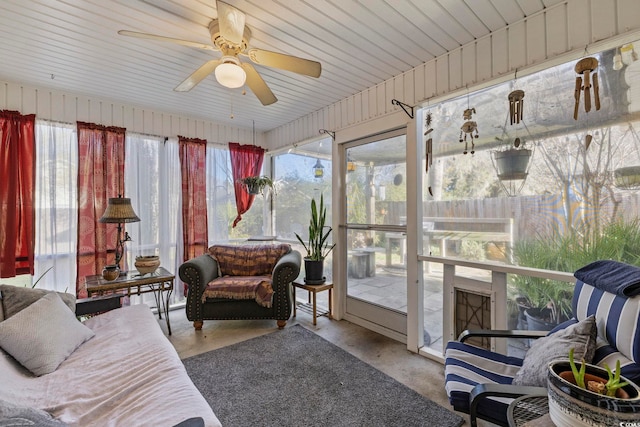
x: 613, y: 384
x: 578, y: 375
x: 318, y: 246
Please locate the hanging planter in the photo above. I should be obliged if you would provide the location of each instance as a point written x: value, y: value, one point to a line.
x: 627, y: 178
x: 256, y: 184
x: 513, y: 163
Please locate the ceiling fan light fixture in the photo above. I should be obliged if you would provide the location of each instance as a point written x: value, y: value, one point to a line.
x: 229, y: 73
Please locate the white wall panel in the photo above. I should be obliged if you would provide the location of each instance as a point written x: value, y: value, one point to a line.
x: 29, y: 102
x: 628, y: 15
x: 603, y: 19
x: 578, y: 24
x: 442, y: 74
x: 468, y: 65
x: 500, y: 52
x: 517, y: 39
x: 372, y: 101
x: 14, y: 98
x: 556, y: 29
x: 536, y: 39
x: 455, y: 69
x: 419, y: 82
x: 429, y: 80
x: 68, y: 108
x: 483, y: 58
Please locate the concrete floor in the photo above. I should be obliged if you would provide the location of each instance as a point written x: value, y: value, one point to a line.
x: 391, y: 357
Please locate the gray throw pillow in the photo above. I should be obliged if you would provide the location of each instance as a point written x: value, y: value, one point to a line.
x: 16, y: 298
x: 43, y: 335
x: 580, y: 336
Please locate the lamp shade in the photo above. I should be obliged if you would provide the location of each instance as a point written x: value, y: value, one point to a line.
x: 119, y: 210
x: 229, y: 73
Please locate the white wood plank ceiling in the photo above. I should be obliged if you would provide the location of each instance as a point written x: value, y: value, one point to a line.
x: 73, y: 45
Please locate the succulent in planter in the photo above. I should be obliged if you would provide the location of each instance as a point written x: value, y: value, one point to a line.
x: 609, y: 388
x: 256, y: 184
x: 580, y: 395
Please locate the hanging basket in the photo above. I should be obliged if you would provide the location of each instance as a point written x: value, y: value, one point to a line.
x: 627, y: 178
x: 253, y: 189
x: 512, y: 164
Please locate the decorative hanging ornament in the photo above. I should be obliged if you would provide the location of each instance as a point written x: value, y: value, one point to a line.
x: 515, y: 106
x: 468, y: 128
x: 429, y: 143
x: 585, y: 67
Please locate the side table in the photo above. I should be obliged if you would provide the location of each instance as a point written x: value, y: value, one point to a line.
x: 532, y: 408
x: 313, y: 290
x: 133, y: 283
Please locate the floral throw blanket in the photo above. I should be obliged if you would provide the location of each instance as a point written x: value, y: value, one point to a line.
x: 241, y: 287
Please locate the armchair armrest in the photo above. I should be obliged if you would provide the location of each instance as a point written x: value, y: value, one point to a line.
x: 466, y: 334
x: 482, y: 391
x: 287, y: 268
x: 197, y: 272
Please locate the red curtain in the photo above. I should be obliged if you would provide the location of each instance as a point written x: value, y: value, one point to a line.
x: 100, y: 176
x: 246, y: 160
x: 17, y: 188
x: 193, y: 169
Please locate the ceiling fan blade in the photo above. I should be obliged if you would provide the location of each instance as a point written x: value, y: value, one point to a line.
x: 285, y: 62
x: 166, y: 39
x: 231, y: 22
x: 257, y: 85
x: 197, y: 76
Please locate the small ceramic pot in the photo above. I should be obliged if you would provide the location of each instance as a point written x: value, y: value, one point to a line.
x: 147, y: 264
x: 110, y: 272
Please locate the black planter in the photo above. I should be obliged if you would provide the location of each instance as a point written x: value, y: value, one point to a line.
x: 313, y: 272
x: 535, y: 319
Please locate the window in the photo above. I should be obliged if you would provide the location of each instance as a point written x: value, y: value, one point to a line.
x: 295, y: 178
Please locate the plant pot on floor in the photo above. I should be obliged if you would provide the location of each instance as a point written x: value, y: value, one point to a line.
x: 572, y: 406
x: 313, y: 272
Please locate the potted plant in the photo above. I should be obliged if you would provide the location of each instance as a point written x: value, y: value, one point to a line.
x: 512, y: 160
x: 585, y: 394
x: 256, y: 184
x: 318, y: 246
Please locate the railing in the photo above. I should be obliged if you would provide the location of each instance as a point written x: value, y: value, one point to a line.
x: 495, y: 288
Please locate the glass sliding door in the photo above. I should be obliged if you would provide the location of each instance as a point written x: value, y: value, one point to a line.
x: 376, y: 206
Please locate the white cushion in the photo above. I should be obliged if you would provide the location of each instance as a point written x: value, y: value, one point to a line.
x: 43, y: 335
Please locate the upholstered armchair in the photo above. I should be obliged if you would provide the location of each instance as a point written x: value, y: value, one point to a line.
x: 241, y: 282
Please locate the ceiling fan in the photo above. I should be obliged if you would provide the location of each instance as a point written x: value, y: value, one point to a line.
x: 231, y: 36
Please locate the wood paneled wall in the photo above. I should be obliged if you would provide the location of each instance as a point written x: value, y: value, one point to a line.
x: 67, y: 107
x: 561, y: 32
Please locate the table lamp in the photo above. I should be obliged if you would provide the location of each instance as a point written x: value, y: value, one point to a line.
x: 119, y: 211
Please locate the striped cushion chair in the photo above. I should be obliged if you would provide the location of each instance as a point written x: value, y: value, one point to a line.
x: 478, y: 381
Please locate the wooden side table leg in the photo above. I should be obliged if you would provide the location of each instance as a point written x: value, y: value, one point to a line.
x: 330, y: 303
x: 314, y: 308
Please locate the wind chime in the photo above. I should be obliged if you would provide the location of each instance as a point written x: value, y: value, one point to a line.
x: 429, y: 143
x: 515, y: 106
x: 468, y: 128
x: 585, y: 67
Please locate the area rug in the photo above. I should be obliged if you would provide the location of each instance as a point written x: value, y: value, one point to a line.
x: 293, y: 377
